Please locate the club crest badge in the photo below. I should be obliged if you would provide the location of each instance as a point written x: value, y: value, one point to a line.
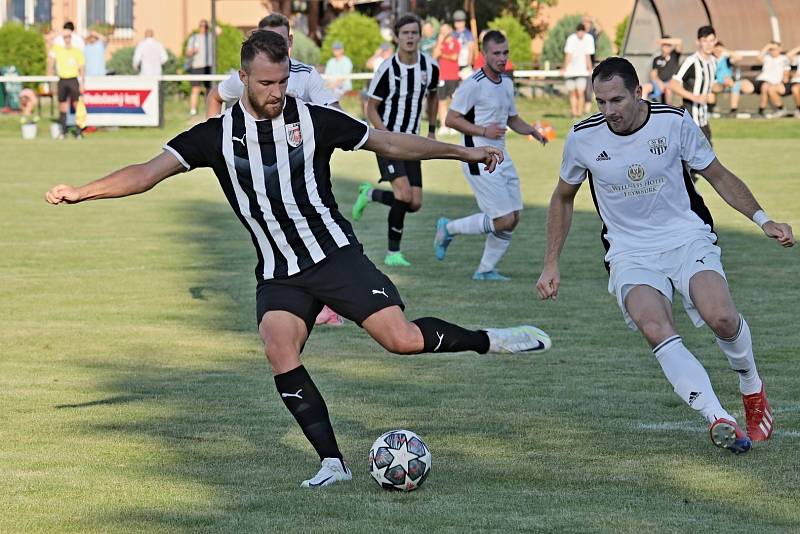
x: 658, y: 146
x: 293, y: 135
x: 636, y: 173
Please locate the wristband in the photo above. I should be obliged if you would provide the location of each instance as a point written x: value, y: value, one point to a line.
x: 760, y: 218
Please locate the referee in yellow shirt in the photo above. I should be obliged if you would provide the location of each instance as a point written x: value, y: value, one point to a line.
x: 68, y: 64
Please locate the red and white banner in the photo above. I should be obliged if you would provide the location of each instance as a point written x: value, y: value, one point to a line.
x: 121, y: 101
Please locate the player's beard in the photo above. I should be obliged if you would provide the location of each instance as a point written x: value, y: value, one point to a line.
x: 265, y: 107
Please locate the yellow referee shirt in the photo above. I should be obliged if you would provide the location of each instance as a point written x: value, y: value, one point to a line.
x: 68, y: 61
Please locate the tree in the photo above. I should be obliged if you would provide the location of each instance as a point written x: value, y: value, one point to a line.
x: 622, y: 28
x: 359, y: 34
x: 25, y: 49
x: 525, y: 11
x: 518, y: 39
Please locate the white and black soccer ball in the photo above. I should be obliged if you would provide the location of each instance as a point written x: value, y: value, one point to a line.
x: 399, y: 460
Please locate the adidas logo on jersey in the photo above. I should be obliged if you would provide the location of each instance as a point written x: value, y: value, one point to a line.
x: 603, y: 156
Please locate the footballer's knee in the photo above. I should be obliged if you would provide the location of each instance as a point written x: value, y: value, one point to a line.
x: 404, y: 340
x: 724, y: 324
x: 282, y: 356
x: 656, y: 331
x: 414, y: 206
x: 505, y: 223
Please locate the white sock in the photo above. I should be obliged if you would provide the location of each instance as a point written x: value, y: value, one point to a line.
x: 478, y: 223
x: 494, y: 249
x: 689, y: 379
x: 739, y: 351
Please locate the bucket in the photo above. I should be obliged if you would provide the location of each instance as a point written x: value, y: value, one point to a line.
x: 29, y: 131
x: 55, y: 130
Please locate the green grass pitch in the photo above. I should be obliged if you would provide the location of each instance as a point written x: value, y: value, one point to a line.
x: 134, y: 394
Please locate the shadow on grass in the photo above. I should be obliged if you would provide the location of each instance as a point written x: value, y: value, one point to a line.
x: 535, y: 433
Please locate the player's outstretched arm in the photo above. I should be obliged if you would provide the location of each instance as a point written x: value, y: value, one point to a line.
x: 130, y: 180
x: 736, y: 193
x: 559, y: 219
x: 413, y: 147
x: 523, y: 128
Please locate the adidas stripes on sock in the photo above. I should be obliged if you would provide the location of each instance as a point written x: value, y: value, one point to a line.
x: 689, y: 379
x: 478, y: 223
x: 306, y: 404
x: 496, y: 246
x: 441, y: 336
x: 739, y: 351
x: 384, y: 197
x: 397, y: 216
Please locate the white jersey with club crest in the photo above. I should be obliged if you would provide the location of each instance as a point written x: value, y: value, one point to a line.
x: 640, y: 182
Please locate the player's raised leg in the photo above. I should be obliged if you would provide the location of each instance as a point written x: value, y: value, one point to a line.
x: 284, y: 334
x: 712, y: 298
x: 651, y: 311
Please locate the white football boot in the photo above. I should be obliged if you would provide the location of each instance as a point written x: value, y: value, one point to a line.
x: 525, y: 338
x: 333, y: 470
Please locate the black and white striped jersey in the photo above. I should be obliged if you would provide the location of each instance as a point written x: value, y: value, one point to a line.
x: 401, y: 88
x: 276, y: 177
x: 697, y: 74
x: 640, y: 180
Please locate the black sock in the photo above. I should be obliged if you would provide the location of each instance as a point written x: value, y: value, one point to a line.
x: 760, y: 111
x: 62, y: 120
x: 384, y: 197
x: 441, y: 336
x: 397, y: 217
x: 306, y: 404
x: 711, y: 106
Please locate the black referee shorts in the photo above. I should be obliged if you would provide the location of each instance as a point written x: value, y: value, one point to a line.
x: 347, y: 281
x: 68, y: 89
x: 392, y: 169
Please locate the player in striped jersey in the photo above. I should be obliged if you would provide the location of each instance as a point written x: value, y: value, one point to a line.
x: 271, y: 154
x: 695, y: 79
x: 482, y: 108
x: 396, y: 95
x: 305, y: 82
x: 659, y: 238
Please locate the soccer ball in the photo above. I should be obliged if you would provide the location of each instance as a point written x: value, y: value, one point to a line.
x: 399, y: 460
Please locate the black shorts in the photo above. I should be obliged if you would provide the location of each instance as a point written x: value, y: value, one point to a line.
x: 347, y: 281
x: 200, y: 70
x: 395, y: 168
x: 68, y: 89
x: 447, y: 88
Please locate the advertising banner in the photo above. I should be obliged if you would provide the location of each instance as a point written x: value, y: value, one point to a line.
x: 121, y: 101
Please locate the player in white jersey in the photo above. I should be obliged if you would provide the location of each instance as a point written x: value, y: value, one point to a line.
x: 483, y: 107
x: 305, y: 82
x: 659, y: 238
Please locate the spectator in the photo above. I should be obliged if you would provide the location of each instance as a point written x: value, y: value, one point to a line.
x: 468, y: 50
x: 67, y: 62
x: 382, y: 53
x: 794, y: 54
x: 577, y: 67
x: 446, y: 52
x: 95, y: 54
x: 727, y: 80
x: 199, y: 50
x: 149, y: 55
x: 773, y: 81
x: 338, y: 65
x: 591, y: 29
x: 68, y: 28
x: 385, y: 21
x: 27, y: 103
x: 665, y: 66
x: 428, y: 41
